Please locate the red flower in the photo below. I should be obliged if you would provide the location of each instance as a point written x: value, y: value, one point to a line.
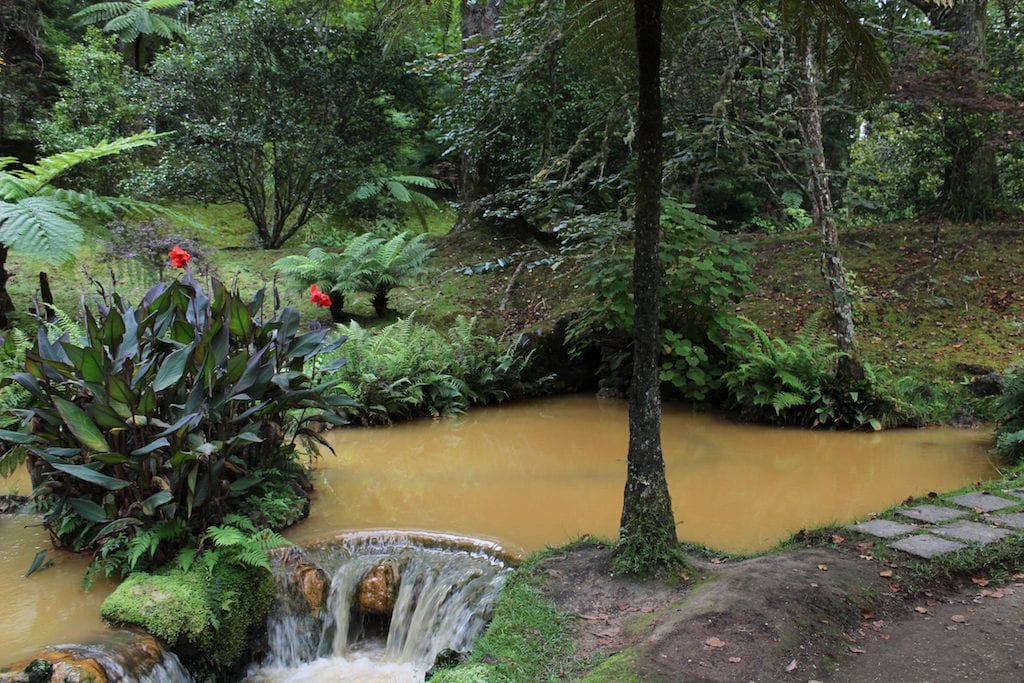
x: 319, y: 298
x: 179, y: 257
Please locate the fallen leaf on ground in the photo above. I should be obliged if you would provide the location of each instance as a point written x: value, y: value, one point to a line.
x: 921, y: 610
x: 717, y: 560
x: 735, y: 660
x: 837, y: 539
x: 885, y: 573
x: 866, y: 613
x: 823, y: 567
x: 894, y: 588
x: 864, y: 546
x: 867, y: 557
x: 959, y: 618
x: 594, y: 617
x: 992, y: 594
x: 981, y: 581
x: 791, y: 667
x: 857, y: 650
x: 714, y: 642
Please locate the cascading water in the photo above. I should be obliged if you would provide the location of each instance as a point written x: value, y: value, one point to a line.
x: 126, y: 656
x: 447, y: 590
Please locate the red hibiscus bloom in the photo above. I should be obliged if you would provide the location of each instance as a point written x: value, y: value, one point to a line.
x: 319, y: 298
x: 179, y: 257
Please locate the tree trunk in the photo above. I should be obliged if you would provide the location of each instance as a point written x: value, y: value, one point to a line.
x: 47, y: 295
x: 6, y: 305
x: 380, y: 301
x: 825, y: 219
x: 338, y: 307
x: 479, y: 24
x: 647, y: 533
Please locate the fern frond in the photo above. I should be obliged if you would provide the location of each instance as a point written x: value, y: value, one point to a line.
x: 40, y: 227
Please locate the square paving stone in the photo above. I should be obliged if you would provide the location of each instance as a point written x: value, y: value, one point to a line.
x: 972, y: 531
x: 883, y: 528
x: 931, y: 513
x: 986, y: 502
x: 927, y: 546
x: 1013, y: 519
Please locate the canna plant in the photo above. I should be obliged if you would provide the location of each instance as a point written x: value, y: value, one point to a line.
x: 165, y: 418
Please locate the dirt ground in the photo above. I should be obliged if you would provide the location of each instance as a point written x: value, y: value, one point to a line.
x: 803, y: 615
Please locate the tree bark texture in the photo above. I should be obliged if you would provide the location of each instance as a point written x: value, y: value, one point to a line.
x: 479, y: 24
x: 646, y: 505
x: 823, y: 213
x: 337, y: 307
x: 6, y: 305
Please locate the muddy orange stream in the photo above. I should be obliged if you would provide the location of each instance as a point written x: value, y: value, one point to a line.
x: 546, y: 471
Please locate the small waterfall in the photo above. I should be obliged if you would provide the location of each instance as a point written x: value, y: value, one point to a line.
x: 447, y: 590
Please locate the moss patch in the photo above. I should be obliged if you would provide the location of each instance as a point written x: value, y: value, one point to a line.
x: 206, y: 618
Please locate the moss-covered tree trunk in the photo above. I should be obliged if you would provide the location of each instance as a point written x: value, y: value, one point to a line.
x: 6, y: 305
x: 647, y: 533
x: 823, y: 212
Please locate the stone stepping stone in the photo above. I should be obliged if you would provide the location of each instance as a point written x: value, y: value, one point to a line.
x: 972, y: 531
x: 1019, y: 493
x: 1012, y: 519
x: 931, y: 513
x: 883, y: 528
x: 927, y: 546
x: 986, y: 502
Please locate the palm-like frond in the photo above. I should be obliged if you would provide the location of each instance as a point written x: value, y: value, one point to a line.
x: 20, y: 183
x: 42, y: 227
x: 129, y: 20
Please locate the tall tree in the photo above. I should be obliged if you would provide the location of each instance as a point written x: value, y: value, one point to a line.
x: 811, y: 23
x: 647, y: 530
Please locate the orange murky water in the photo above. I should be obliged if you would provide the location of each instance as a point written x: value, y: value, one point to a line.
x: 50, y: 606
x: 544, y: 472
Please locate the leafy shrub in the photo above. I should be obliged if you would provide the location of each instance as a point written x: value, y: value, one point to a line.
x: 408, y: 369
x: 705, y: 272
x: 1010, y: 413
x: 795, y: 383
x: 163, y: 418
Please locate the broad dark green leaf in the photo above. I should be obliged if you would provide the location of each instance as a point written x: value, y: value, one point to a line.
x: 38, y: 564
x: 115, y: 526
x: 16, y: 437
x: 90, y: 475
x: 84, y: 429
x: 88, y: 509
x: 152, y: 446
x: 172, y: 368
x: 159, y: 498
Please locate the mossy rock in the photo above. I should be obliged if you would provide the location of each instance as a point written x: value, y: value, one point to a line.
x: 208, y: 619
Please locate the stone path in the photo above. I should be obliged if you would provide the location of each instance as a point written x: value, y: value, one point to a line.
x: 938, y: 530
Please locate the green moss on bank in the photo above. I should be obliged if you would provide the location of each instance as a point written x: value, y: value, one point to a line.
x: 207, y: 618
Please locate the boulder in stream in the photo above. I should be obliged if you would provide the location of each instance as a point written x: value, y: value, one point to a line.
x: 307, y: 579
x: 378, y: 589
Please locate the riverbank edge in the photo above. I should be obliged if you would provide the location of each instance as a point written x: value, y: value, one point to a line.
x: 877, y: 583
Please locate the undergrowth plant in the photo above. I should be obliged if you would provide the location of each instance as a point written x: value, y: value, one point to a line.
x: 795, y: 383
x: 1010, y: 413
x: 408, y: 369
x: 163, y: 418
x: 705, y: 273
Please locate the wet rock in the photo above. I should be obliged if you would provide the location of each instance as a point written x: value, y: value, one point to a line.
x: 378, y: 588
x: 964, y: 418
x: 304, y: 578
x: 988, y: 385
x: 11, y: 504
x: 58, y: 667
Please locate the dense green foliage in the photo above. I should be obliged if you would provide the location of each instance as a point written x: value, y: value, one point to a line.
x: 1010, y: 413
x: 408, y: 369
x: 795, y: 383
x: 165, y: 416
x: 706, y: 272
x: 277, y: 113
